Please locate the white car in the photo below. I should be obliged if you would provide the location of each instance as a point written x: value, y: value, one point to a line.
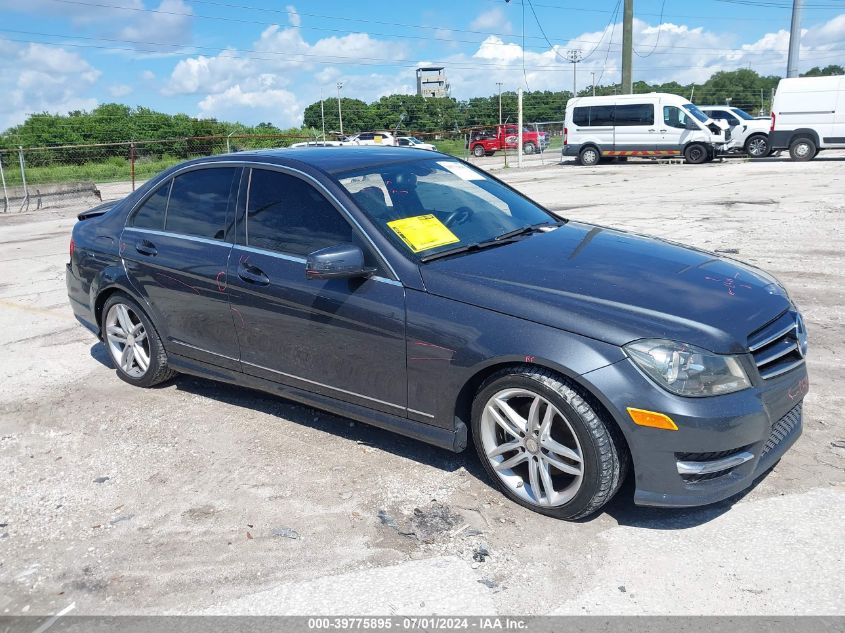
x: 373, y: 138
x: 413, y: 141
x: 319, y: 144
x: 748, y: 134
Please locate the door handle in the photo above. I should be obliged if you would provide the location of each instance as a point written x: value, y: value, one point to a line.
x: 652, y: 130
x: 663, y: 130
x: 252, y: 275
x: 145, y: 247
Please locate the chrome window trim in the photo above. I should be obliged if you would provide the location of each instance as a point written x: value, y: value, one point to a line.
x: 320, y: 384
x: 183, y: 236
x: 302, y: 260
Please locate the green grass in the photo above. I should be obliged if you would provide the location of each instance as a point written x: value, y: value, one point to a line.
x: 108, y: 170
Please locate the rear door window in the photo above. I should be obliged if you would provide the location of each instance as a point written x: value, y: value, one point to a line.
x: 199, y: 202
x: 150, y: 215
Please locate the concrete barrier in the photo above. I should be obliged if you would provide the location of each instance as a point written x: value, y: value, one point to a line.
x: 50, y: 196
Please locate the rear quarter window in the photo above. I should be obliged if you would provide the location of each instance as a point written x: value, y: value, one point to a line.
x: 150, y: 215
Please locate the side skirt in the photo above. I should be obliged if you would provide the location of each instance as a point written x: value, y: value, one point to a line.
x: 444, y: 438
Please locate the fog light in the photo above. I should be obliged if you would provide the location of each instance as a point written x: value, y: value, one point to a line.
x: 653, y: 419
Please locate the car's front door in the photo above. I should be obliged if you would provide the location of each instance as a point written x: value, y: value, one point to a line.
x: 176, y: 248
x: 674, y: 133
x: 343, y: 338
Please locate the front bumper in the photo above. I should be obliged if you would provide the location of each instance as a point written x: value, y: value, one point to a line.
x: 722, y: 445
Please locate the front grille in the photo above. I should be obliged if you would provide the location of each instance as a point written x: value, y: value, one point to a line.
x: 783, y: 429
x: 776, y: 347
x: 727, y: 135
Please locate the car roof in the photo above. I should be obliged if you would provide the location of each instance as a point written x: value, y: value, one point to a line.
x: 330, y: 160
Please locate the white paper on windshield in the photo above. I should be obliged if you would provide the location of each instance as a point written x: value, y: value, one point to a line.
x: 460, y: 170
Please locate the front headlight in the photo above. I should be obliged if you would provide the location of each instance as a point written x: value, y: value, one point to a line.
x: 687, y: 370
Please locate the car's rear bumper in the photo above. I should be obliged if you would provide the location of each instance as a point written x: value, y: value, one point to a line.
x: 779, y: 139
x: 707, y: 459
x: 80, y: 301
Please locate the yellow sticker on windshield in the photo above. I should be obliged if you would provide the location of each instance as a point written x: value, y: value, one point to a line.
x: 423, y: 232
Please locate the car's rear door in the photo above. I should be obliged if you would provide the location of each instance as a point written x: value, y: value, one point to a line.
x: 343, y: 338
x: 176, y: 248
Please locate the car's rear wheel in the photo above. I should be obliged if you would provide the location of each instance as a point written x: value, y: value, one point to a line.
x: 757, y: 146
x: 478, y: 151
x: 545, y: 445
x: 802, y: 149
x: 589, y: 156
x: 133, y: 343
x: 528, y: 148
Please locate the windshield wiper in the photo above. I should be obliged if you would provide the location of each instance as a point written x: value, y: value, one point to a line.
x: 499, y: 240
x: 466, y: 248
x: 525, y: 230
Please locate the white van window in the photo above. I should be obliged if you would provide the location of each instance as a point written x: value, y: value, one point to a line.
x: 593, y: 116
x: 675, y: 117
x: 634, y: 114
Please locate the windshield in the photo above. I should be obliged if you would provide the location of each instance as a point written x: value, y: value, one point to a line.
x: 742, y: 114
x: 431, y: 206
x: 698, y: 114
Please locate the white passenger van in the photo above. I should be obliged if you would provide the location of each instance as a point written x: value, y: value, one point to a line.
x: 653, y: 124
x: 808, y: 115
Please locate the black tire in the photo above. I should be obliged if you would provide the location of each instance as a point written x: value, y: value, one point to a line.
x: 695, y: 154
x: 757, y: 146
x: 529, y: 148
x: 604, y: 453
x: 478, y: 151
x: 802, y: 149
x: 589, y: 156
x: 157, y: 370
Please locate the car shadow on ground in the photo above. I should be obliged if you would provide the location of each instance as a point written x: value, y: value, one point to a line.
x: 621, y: 508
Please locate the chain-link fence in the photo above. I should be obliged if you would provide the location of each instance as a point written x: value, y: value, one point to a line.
x: 33, y: 177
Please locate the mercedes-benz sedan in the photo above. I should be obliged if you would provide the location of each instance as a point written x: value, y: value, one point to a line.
x: 412, y: 291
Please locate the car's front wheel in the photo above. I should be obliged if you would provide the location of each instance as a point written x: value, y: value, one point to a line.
x: 478, y: 151
x: 545, y: 445
x: 757, y: 146
x: 133, y: 343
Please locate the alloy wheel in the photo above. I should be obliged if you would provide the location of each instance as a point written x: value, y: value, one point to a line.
x: 532, y: 447
x: 758, y: 147
x: 126, y: 339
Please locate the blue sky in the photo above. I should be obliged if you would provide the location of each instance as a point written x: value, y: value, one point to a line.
x: 255, y: 60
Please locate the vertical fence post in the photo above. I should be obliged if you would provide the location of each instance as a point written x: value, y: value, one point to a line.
x: 132, y: 163
x: 5, y: 193
x: 23, y: 178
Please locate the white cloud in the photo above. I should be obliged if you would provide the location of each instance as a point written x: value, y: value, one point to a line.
x: 39, y: 78
x: 148, y: 75
x: 281, y: 58
x: 119, y: 90
x: 293, y: 16
x: 492, y: 20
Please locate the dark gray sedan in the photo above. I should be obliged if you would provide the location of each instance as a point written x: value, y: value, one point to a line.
x: 412, y: 291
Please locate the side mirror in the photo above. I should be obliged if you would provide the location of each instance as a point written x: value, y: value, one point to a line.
x: 341, y: 261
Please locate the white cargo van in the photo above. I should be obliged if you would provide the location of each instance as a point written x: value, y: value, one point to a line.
x: 651, y: 125
x: 808, y: 115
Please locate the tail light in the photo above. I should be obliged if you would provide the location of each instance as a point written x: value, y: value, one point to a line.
x: 565, y: 136
x: 72, y: 247
x: 773, y: 122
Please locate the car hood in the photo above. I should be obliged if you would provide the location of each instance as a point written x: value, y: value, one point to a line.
x: 615, y: 286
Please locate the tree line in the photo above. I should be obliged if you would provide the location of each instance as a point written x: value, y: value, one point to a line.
x: 180, y: 136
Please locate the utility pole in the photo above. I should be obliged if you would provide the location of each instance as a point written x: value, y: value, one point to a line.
x: 499, y: 83
x: 519, y: 129
x: 627, y: 47
x: 593, y: 82
x: 339, y: 111
x: 323, y: 115
x: 574, y: 56
x: 794, y: 39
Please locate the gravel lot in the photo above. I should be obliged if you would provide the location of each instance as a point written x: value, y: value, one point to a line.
x: 198, y: 497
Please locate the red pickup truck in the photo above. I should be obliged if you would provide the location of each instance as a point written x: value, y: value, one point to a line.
x: 488, y: 141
